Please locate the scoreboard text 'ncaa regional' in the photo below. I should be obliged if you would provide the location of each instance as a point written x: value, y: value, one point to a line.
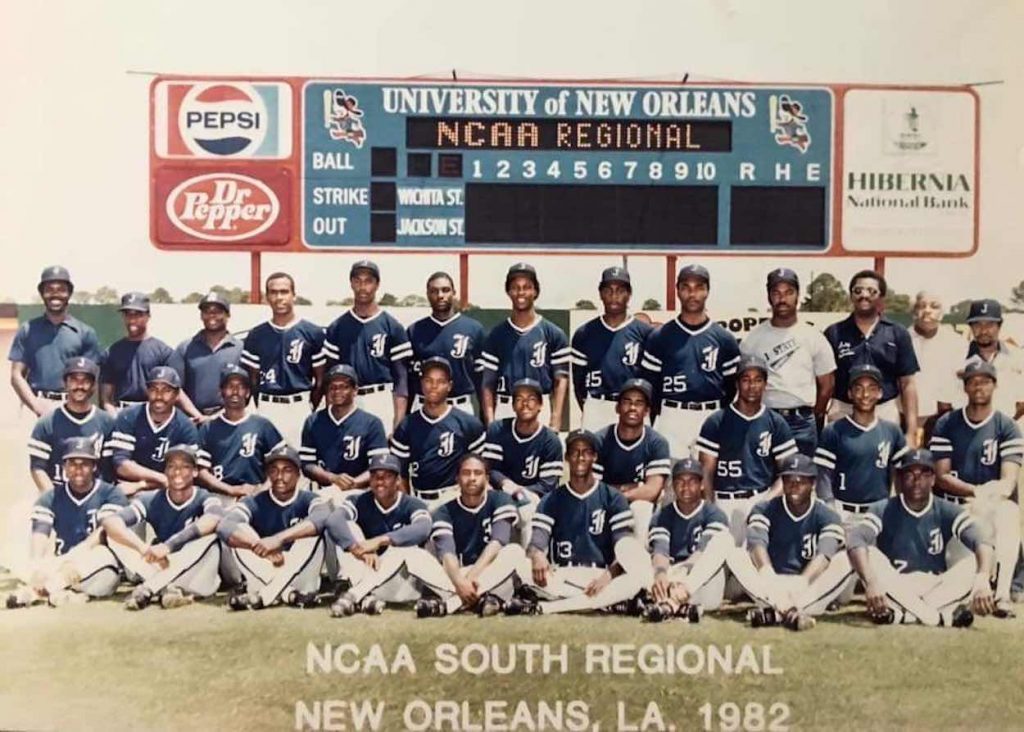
x: 470, y: 167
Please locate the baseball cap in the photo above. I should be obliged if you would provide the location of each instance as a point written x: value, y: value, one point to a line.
x: 81, y: 365
x: 387, y: 461
x: 366, y: 264
x: 696, y: 271
x: 798, y: 464
x: 81, y: 447
x: 531, y: 384
x: 865, y: 369
x: 215, y: 298
x: 985, y: 310
x: 752, y: 361
x: 641, y: 385
x: 165, y: 374
x: 233, y: 369
x: 783, y: 274
x: 921, y: 457
x: 182, y: 449
x: 687, y: 466
x: 585, y: 435
x: 616, y: 274
x: 522, y: 269
x: 55, y: 273
x: 341, y: 371
x: 977, y: 367
x: 437, y: 362
x: 283, y: 452
x: 134, y: 301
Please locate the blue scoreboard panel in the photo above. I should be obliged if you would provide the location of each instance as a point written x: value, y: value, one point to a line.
x: 566, y: 168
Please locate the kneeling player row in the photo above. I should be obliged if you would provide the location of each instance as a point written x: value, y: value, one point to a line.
x: 581, y: 554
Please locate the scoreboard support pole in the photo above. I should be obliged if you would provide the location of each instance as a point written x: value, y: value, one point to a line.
x: 670, y: 282
x: 255, y: 275
x: 463, y: 280
x: 880, y: 266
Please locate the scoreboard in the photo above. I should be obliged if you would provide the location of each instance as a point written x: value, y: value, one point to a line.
x: 469, y: 167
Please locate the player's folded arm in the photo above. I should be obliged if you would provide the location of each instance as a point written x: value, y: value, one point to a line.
x: 415, y: 533
x: 337, y: 527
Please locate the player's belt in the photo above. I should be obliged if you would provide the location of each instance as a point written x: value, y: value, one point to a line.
x: 696, y: 406
x: 738, y: 495
x: 592, y: 565
x: 464, y: 399
x: 282, y: 398
x: 125, y: 403
x: 854, y: 507
x: 951, y: 498
x: 430, y: 495
x: 506, y: 398
x: 372, y: 388
x: 794, y: 411
x: 604, y: 397
x: 56, y: 396
x: 210, y: 410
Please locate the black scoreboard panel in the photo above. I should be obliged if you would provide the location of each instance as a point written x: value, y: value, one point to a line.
x: 794, y: 216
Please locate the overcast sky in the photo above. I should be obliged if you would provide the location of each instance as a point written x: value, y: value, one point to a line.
x: 74, y: 120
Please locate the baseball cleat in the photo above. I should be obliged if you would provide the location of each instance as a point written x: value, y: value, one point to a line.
x: 371, y: 605
x: 1004, y: 609
x: 489, y: 606
x: 522, y: 606
x: 140, y: 598
x: 962, y: 617
x: 692, y: 613
x: 67, y: 597
x: 429, y: 607
x: 173, y: 596
x: 238, y: 599
x: 657, y: 612
x: 22, y: 597
x: 343, y: 606
x: 799, y: 622
x: 762, y: 617
x: 885, y: 618
x: 294, y: 598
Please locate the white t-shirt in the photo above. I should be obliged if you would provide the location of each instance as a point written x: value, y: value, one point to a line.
x: 796, y: 356
x: 939, y: 357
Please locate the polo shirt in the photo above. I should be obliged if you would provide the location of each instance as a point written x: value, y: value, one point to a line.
x: 887, y: 346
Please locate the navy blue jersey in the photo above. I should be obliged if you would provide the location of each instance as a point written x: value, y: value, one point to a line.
x: 888, y: 346
x: 747, y: 448
x: 430, y: 448
x: 582, y: 529
x: 166, y: 517
x: 977, y: 451
x: 46, y: 445
x: 793, y: 541
x: 677, y: 535
x: 285, y: 356
x: 373, y: 347
x: 690, y: 364
x: 72, y: 518
x: 459, y: 340
x: 199, y: 367
x: 540, y: 352
x: 343, y: 446
x: 620, y: 464
x: 376, y: 521
x: 44, y: 348
x: 604, y: 358
x: 233, y: 451
x: 466, y: 532
x: 533, y: 461
x: 916, y: 541
x: 136, y: 438
x: 857, y: 464
x: 268, y: 516
x: 126, y: 364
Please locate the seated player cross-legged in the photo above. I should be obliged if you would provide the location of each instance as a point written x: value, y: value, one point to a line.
x: 183, y: 560
x: 471, y: 537
x: 68, y: 561
x: 582, y: 554
x: 793, y: 567
x: 899, y: 551
x: 275, y: 537
x: 689, y: 542
x: 379, y: 537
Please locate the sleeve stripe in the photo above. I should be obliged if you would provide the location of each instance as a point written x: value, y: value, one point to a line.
x: 824, y: 463
x: 38, y: 454
x: 442, y: 525
x: 122, y: 436
x: 822, y: 452
x: 45, y: 446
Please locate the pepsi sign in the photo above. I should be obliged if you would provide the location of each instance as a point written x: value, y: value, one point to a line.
x: 219, y: 120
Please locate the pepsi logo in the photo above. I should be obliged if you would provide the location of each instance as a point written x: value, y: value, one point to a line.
x: 223, y: 119
x: 222, y: 207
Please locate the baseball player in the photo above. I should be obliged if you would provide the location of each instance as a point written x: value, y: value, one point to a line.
x: 430, y: 441
x: 472, y: 541
x: 44, y: 344
x: 899, y: 552
x: 525, y: 456
x: 234, y: 443
x: 632, y: 457
x: 285, y: 360
x: 936, y: 348
x: 978, y: 452
x: 801, y: 366
x: 867, y: 336
x: 275, y: 538
x: 76, y: 417
x: 793, y: 567
x: 68, y: 561
x: 181, y: 563
x: 857, y: 455
x: 524, y: 346
x: 372, y: 342
x: 379, y: 536
x: 986, y: 319
x: 606, y: 352
x: 740, y: 446
x: 691, y: 362
x: 201, y: 359
x: 339, y: 440
x: 689, y: 542
x: 142, y: 433
x: 582, y: 554
x: 451, y: 335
